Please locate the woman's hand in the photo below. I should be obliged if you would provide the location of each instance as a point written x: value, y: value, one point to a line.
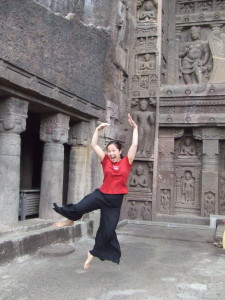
x: 131, y: 121
x: 102, y: 125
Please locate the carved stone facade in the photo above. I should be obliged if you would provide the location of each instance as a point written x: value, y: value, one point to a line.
x: 162, y: 61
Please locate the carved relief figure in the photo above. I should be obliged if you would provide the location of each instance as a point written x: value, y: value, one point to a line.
x: 146, y: 211
x: 132, y: 211
x: 209, y: 204
x: 139, y: 179
x: 147, y: 64
x: 145, y: 121
x: 188, y: 147
x: 188, y: 187
x: 165, y: 201
x: 217, y: 46
x: 195, y: 62
x: 144, y: 82
x: 147, y: 12
x: 141, y: 42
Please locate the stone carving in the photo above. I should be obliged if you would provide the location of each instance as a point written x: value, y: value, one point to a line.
x: 204, y: 6
x: 188, y: 147
x: 209, y: 204
x: 145, y: 120
x: 188, y: 188
x: 146, y: 211
x: 147, y: 62
x: 78, y: 134
x: 165, y: 201
x: 186, y: 8
x: 54, y: 128
x: 151, y: 42
x: 217, y: 46
x: 144, y: 82
x: 147, y: 11
x: 139, y: 179
x: 13, y: 114
x: 132, y: 211
x: 195, y: 58
x: 141, y: 42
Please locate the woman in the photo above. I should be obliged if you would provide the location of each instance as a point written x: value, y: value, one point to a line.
x: 108, y: 197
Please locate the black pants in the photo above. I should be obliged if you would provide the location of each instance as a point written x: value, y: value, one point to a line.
x: 106, y: 243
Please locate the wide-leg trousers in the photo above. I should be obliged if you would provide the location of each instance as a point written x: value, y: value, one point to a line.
x: 106, y: 245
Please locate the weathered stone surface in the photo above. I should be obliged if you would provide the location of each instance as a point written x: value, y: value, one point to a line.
x: 62, y: 51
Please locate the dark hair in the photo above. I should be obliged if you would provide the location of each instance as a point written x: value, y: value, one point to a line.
x: 117, y: 144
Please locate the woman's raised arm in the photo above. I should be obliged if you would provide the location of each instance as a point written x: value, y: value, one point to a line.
x: 133, y: 148
x: 94, y: 142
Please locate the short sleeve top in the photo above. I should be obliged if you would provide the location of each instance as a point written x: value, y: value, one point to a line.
x: 115, y: 176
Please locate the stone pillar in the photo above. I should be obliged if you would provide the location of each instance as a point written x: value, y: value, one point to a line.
x: 79, y: 168
x: 210, y: 169
x: 54, y: 132
x: 13, y: 114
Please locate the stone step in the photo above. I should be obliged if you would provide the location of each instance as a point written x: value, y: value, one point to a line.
x: 166, y: 230
x: 32, y: 235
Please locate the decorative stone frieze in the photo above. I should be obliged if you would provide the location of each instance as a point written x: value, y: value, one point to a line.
x: 78, y: 134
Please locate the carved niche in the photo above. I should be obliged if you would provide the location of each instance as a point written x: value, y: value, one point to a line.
x: 187, y: 148
x: 146, y: 11
x: 195, y: 58
x: 146, y: 63
x: 141, y: 177
x: 145, y: 118
x: 139, y: 210
x: 209, y: 203
x: 222, y: 194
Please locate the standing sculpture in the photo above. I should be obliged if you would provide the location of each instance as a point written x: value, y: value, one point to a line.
x: 145, y: 121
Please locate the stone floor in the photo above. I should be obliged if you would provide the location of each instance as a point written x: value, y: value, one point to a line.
x: 153, y: 267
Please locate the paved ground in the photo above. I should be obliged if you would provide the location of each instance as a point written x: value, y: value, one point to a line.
x: 151, y: 268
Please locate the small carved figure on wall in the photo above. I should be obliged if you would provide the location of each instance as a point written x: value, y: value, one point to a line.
x: 209, y: 204
x: 188, y: 147
x: 141, y: 42
x: 165, y: 201
x: 139, y: 179
x: 145, y: 121
x: 147, y: 12
x: 147, y: 64
x: 188, y: 187
x: 132, y: 211
x: 146, y: 211
x: 195, y: 58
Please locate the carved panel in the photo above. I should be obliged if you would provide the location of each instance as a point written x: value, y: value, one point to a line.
x: 139, y: 210
x: 195, y: 57
x: 78, y: 134
x: 146, y: 63
x: 141, y: 178
x: 187, y: 148
x: 146, y: 11
x: 209, y: 203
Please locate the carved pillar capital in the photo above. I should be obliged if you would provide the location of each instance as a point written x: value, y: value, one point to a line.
x: 209, y: 133
x: 13, y: 115
x: 78, y: 134
x: 54, y: 128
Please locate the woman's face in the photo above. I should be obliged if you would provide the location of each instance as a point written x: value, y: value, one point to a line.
x: 113, y: 153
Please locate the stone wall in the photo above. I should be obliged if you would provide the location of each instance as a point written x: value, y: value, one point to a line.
x: 59, y: 50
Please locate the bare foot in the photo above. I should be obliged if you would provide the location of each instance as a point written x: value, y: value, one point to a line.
x: 88, y: 261
x: 64, y: 223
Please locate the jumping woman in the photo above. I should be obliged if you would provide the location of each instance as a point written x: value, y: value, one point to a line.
x: 108, y: 198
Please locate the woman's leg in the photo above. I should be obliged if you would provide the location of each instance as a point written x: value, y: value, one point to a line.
x: 107, y: 246
x: 74, y: 212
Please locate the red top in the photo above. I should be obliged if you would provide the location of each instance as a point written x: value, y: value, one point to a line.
x: 115, y: 176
